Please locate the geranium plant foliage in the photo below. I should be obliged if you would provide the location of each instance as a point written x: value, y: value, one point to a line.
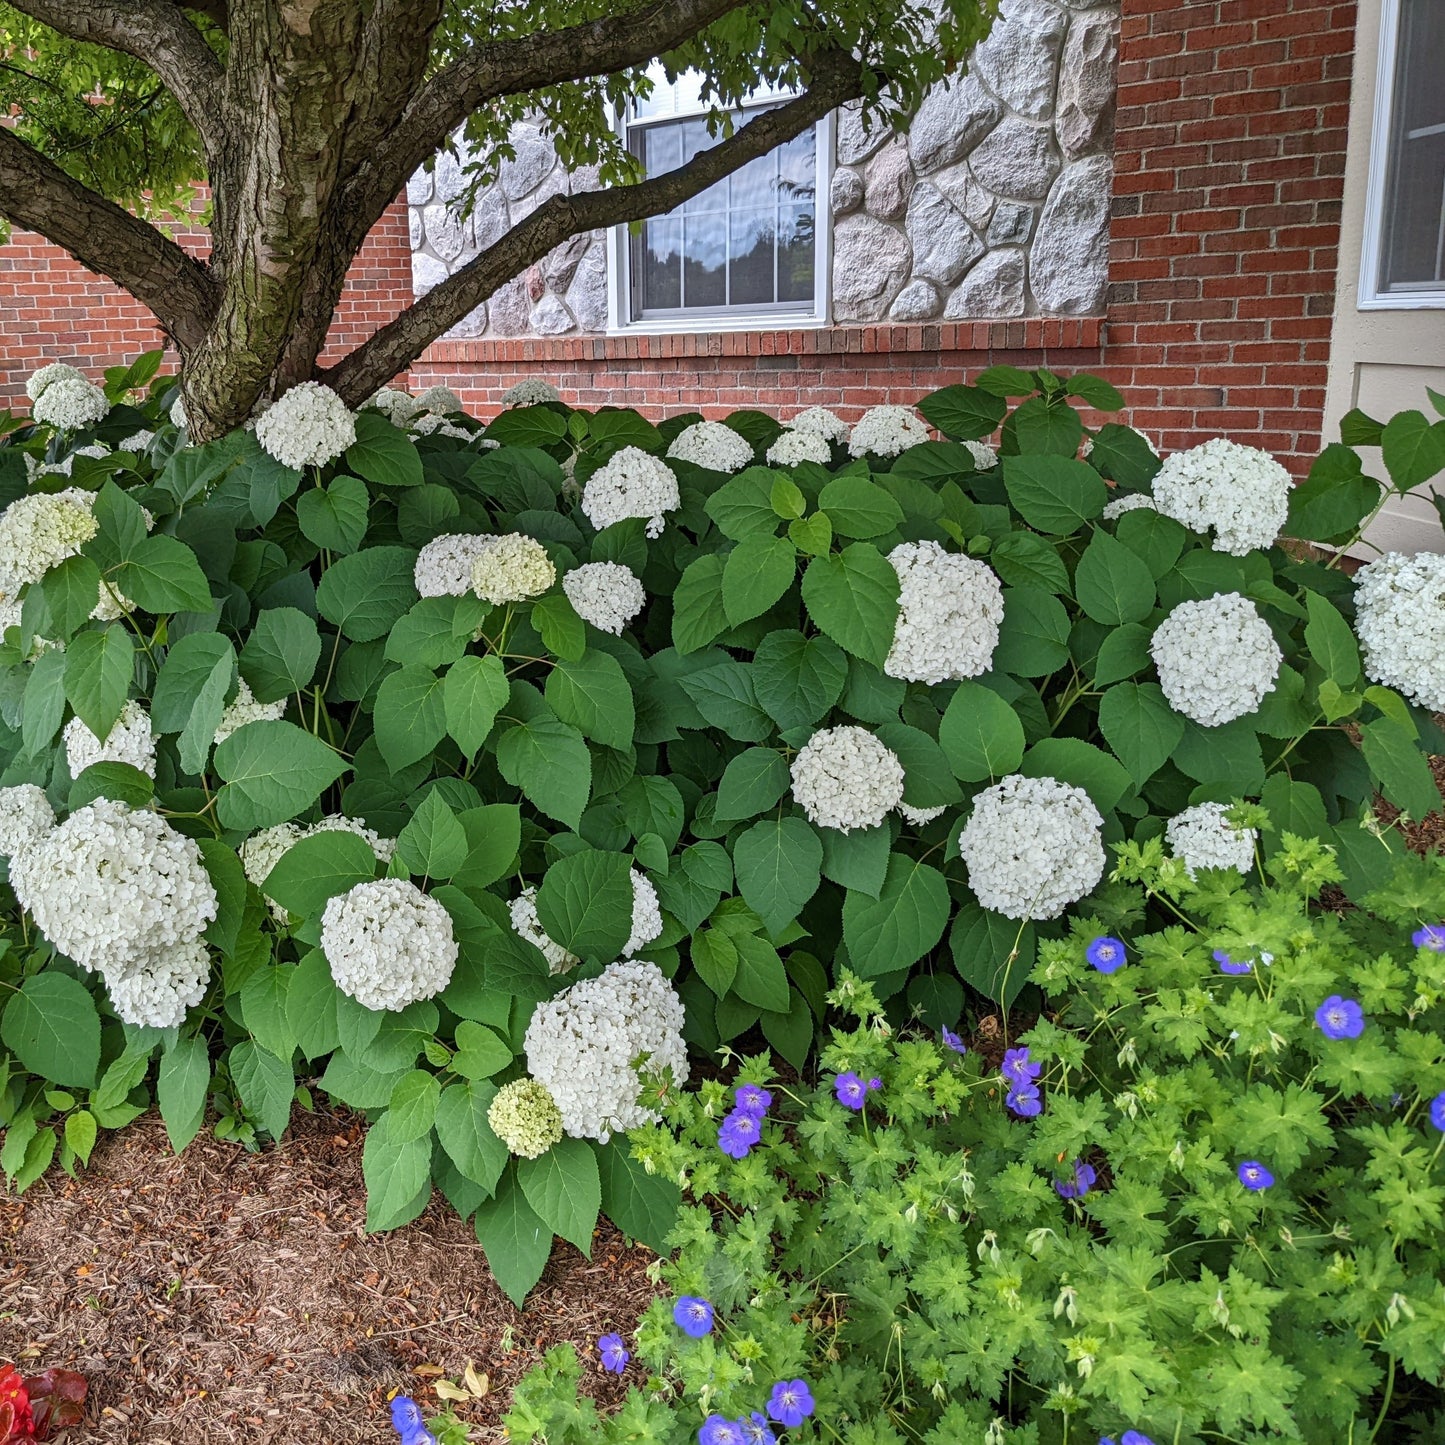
x: 692, y: 718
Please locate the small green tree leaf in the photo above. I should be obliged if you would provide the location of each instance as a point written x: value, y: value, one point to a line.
x: 335, y: 517
x: 98, y: 669
x: 897, y: 928
x: 853, y: 597
x: 475, y: 690
x: 317, y: 868
x: 778, y: 864
x: 751, y: 783
x: 980, y: 734
x: 550, y: 763
x: 1112, y: 584
x: 50, y: 1024
x: 396, y: 1171
x: 514, y: 1239
x: 859, y: 508
x: 273, y: 773
x: 643, y: 1206
x: 384, y: 455
x: 585, y: 903
x: 433, y: 843
x: 1053, y: 493
x: 162, y: 575
x: 698, y: 613
x: 266, y: 1086
x: 366, y: 593
x: 1140, y: 726
x: 756, y: 573
x: 409, y: 716
x: 182, y: 1083
x: 281, y: 654
x: 796, y: 678
x: 592, y: 694
x: 564, y: 1188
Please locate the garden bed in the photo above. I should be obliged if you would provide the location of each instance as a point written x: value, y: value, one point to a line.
x: 231, y: 1296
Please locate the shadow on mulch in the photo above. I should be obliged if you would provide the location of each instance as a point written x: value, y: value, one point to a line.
x: 225, y: 1297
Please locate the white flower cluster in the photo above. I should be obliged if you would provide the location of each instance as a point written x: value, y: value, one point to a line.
x: 243, y: 709
x: 919, y: 816
x: 1217, y: 658
x: 796, y: 444
x: 388, y: 944
x: 307, y: 427
x: 712, y: 445
x: 52, y: 371
x: 1400, y: 621
x: 844, y: 778
x: 130, y: 740
x: 646, y: 915
x: 1202, y: 837
x: 178, y: 413
x: 1128, y: 502
x: 949, y: 610
x: 631, y: 484
x: 985, y: 459
x: 137, y: 442
x: 38, y: 532
x: 1239, y: 493
x: 590, y: 1045
x: 435, y: 424
x: 512, y: 568
x: 69, y: 403
x: 530, y: 391
x: 525, y: 1117
x: 1032, y: 846
x: 25, y: 818
x: 819, y: 419
x: 646, y: 924
x: 885, y: 431
x: 64, y: 467
x: 606, y: 594
x: 439, y: 401
x: 397, y: 406
x: 121, y: 892
x: 444, y: 565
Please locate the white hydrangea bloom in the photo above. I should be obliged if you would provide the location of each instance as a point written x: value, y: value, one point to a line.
x: 439, y: 401
x: 712, y: 445
x: 528, y: 926
x: 130, y: 740
x: 64, y: 467
x: 25, y: 818
x: 591, y: 1044
x: 54, y: 371
x: 178, y: 412
x: 435, y: 424
x: 797, y: 444
x: 112, y: 884
x: 1400, y: 621
x: 844, y: 778
x: 388, y: 944
x: 531, y: 391
x: 949, y: 610
x: 885, y: 431
x: 1128, y: 502
x: 111, y: 604
x: 513, y: 568
x: 1217, y: 659
x: 307, y: 427
x: 69, y: 403
x: 444, y: 565
x: 384, y: 848
x: 606, y: 594
x: 160, y: 986
x: 1203, y: 837
x: 397, y: 406
x: 984, y: 456
x: 631, y: 484
x: 525, y: 1117
x: 919, y: 816
x: 1239, y: 493
x: 819, y: 419
x: 646, y: 915
x: 137, y: 442
x: 263, y: 850
x: 243, y: 709
x: 1032, y: 847
x: 38, y: 532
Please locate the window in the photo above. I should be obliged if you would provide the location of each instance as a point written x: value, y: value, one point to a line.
x: 747, y: 251
x: 1403, y: 259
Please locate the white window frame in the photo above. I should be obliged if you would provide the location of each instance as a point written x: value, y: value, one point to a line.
x: 1371, y: 297
x: 620, y: 321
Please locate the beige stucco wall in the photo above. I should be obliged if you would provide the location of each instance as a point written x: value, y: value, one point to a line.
x: 1380, y: 361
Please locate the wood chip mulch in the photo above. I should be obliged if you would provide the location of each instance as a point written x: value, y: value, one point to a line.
x: 224, y: 1297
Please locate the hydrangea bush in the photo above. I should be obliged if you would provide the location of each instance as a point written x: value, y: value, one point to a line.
x: 1222, y: 1223
x: 410, y: 758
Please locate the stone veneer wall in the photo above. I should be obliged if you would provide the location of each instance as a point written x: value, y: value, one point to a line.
x: 995, y: 204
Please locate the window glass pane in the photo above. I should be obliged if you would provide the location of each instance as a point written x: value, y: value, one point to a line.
x: 751, y: 249
x: 1413, y: 255
x: 795, y: 253
x: 657, y: 264
x: 705, y: 256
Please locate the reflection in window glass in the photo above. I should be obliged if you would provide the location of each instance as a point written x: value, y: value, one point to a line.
x: 748, y: 242
x: 1413, y: 255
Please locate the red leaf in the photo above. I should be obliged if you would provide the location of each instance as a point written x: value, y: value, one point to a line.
x: 58, y: 1399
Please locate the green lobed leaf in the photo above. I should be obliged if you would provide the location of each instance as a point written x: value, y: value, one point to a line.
x: 273, y: 772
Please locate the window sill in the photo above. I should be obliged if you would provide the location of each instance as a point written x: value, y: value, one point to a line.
x: 1032, y: 333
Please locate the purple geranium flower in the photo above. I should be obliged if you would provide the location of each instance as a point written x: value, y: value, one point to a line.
x: 693, y: 1316
x: 1437, y: 1112
x: 753, y: 1099
x: 1134, y: 1437
x: 719, y: 1430
x: 1432, y: 936
x: 756, y: 1431
x: 738, y: 1133
x: 852, y: 1092
x: 790, y: 1403
x: 1253, y: 1175
x: 614, y: 1354
x: 406, y: 1420
x: 1084, y: 1177
x: 1229, y: 965
x: 1340, y: 1018
x: 953, y: 1041
x: 1106, y: 954
x: 1025, y: 1101
x: 1018, y: 1069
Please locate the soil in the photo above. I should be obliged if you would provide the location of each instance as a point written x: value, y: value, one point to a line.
x: 224, y: 1297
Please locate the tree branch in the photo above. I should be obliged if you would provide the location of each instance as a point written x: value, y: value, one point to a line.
x: 155, y: 32
x: 37, y: 194
x: 512, y: 67
x: 837, y: 77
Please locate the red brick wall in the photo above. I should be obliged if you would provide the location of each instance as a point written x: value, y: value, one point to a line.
x: 1229, y: 168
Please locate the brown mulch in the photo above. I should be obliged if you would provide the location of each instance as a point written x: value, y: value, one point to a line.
x: 225, y: 1297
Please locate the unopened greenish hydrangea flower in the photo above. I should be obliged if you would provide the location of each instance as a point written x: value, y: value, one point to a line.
x: 525, y: 1117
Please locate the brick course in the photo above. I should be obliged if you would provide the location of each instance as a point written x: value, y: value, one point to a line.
x: 1229, y: 163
